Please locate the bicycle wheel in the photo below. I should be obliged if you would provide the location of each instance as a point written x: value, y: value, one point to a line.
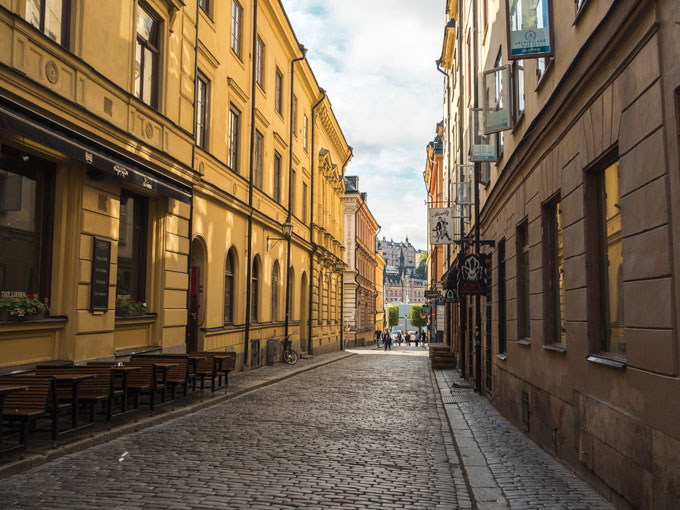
x: 290, y: 357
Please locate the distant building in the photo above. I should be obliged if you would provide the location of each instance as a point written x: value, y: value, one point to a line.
x: 402, y: 284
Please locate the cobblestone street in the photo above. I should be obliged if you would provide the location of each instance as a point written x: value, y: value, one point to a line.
x: 367, y: 431
x: 364, y: 432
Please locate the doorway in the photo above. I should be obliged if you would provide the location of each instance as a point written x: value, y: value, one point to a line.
x: 305, y: 341
x: 196, y: 295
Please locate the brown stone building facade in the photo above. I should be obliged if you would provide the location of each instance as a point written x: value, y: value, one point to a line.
x: 578, y: 340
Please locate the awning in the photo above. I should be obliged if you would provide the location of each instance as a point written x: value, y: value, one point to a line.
x: 44, y: 131
x: 450, y: 278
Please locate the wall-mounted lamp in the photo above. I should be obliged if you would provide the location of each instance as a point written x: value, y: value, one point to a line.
x: 286, y: 230
x: 339, y: 266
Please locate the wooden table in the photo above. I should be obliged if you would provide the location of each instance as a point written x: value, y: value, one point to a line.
x: 73, y: 382
x: 220, y: 358
x: 164, y: 367
x: 122, y: 371
x: 6, y: 389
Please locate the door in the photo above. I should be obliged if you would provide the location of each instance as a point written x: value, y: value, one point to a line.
x: 192, y: 327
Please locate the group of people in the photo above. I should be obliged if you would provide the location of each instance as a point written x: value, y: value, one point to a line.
x: 385, y: 337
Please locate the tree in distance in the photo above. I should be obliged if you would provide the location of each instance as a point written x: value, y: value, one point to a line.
x: 416, y: 319
x: 393, y: 314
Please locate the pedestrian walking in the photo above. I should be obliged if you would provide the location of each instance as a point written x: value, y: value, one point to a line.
x: 408, y: 339
x: 387, y: 341
x: 417, y: 338
x: 399, y: 338
x: 378, y: 334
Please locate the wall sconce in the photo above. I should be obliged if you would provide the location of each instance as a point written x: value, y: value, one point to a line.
x: 286, y: 230
x: 339, y: 266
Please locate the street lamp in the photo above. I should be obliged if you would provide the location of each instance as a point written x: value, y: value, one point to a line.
x: 286, y: 230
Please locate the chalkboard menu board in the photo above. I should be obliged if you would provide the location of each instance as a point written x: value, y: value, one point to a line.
x: 101, y: 264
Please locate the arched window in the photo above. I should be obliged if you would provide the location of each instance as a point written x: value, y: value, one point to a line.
x: 253, y: 290
x: 289, y: 298
x: 229, y: 289
x: 275, y: 291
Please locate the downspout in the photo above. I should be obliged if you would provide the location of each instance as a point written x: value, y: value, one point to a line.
x: 290, y: 176
x: 356, y: 249
x: 311, y: 228
x: 475, y: 182
x: 246, y: 339
x: 462, y: 316
x: 193, y: 166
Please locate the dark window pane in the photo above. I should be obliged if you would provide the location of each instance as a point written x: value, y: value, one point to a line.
x: 229, y: 290
x: 132, y: 237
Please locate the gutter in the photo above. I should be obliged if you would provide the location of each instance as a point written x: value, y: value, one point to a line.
x: 342, y: 286
x: 249, y: 274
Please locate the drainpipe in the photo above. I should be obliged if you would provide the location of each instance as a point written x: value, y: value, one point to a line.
x: 475, y: 182
x: 356, y: 249
x: 246, y: 339
x: 462, y: 316
x: 342, y: 286
x: 290, y: 176
x: 311, y: 228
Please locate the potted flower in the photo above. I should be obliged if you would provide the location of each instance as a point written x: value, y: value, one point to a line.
x: 22, y: 308
x: 127, y: 307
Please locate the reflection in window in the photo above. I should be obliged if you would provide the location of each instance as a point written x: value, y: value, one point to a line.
x: 236, y: 27
x: 201, y: 110
x: 259, y: 62
x: 610, y: 249
x: 132, y: 236
x: 50, y: 17
x: 519, y: 87
x: 555, y: 330
x: 278, y: 95
x: 25, y: 223
x: 146, y: 56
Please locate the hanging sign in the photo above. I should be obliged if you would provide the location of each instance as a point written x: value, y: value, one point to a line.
x: 497, y: 103
x: 99, y: 278
x: 431, y: 294
x: 482, y: 146
x: 472, y: 276
x: 529, y: 28
x: 450, y: 296
x: 441, y: 225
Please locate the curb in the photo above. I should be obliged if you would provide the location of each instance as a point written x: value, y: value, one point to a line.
x: 35, y: 459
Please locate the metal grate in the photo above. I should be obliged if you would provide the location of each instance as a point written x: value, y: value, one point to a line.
x: 456, y: 399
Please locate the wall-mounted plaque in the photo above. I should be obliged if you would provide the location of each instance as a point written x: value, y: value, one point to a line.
x: 99, y: 281
x: 529, y: 25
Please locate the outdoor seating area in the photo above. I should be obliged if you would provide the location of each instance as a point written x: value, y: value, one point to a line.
x: 56, y: 399
x: 441, y: 356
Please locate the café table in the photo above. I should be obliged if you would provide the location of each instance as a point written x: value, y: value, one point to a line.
x: 122, y: 372
x: 6, y: 389
x: 73, y: 382
x: 164, y: 368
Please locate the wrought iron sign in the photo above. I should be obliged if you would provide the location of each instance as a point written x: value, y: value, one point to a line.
x: 472, y: 276
x: 530, y: 33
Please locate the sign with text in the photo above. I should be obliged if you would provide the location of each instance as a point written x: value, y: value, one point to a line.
x: 431, y: 294
x: 529, y: 25
x: 472, y: 276
x: 99, y: 280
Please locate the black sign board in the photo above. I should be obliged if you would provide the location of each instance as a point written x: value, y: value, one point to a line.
x: 101, y: 264
x: 472, y: 276
x: 450, y: 296
x: 431, y: 294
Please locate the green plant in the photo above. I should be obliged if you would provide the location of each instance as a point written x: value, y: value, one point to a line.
x: 393, y: 315
x: 20, y: 307
x: 127, y: 306
x: 416, y: 318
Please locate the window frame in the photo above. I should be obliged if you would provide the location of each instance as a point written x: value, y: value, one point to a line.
x: 554, y: 293
x: 237, y: 29
x: 304, y: 202
x: 229, y: 287
x: 293, y: 186
x: 275, y: 283
x: 259, y: 62
x: 518, y: 65
x: 258, y: 149
x: 254, y: 290
x: 523, y: 281
x: 205, y: 6
x: 140, y: 255
x: 234, y: 138
x: 277, y: 177
x: 295, y: 113
x: 278, y: 92
x: 65, y: 23
x: 305, y: 132
x: 203, y: 144
x: 154, y: 100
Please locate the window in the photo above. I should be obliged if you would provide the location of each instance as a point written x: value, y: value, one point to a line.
x: 519, y: 87
x: 295, y: 109
x: 229, y: 289
x: 605, y: 249
x: 523, y: 307
x: 541, y: 66
x: 499, y: 98
x: 293, y: 184
x: 234, y: 128
x: 204, y: 5
x: 275, y: 291
x: 259, y: 62
x: 278, y: 97
x: 26, y: 196
x: 258, y: 149
x: 289, y: 296
x: 237, y: 28
x: 305, y: 127
x: 501, y: 299
x: 553, y: 275
x: 277, y: 177
x: 132, y: 240
x: 253, y: 290
x: 304, y: 202
x: 51, y: 17
x: 580, y: 4
x: 202, y: 89
x: 147, y: 56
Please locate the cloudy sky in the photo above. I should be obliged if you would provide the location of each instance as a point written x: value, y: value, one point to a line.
x: 376, y: 60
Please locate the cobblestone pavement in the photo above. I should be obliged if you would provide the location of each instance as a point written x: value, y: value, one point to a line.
x: 505, y: 468
x: 367, y: 431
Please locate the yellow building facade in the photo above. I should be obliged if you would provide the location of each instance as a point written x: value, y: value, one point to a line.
x: 163, y: 185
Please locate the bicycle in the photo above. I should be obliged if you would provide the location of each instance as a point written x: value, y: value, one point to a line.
x: 289, y: 354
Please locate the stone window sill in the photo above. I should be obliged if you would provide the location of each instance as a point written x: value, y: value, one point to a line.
x: 555, y: 348
x: 54, y: 322
x: 526, y: 342
x: 502, y: 357
x: 608, y: 360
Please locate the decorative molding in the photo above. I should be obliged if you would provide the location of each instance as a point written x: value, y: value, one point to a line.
x: 279, y: 139
x: 233, y: 86
x: 205, y: 53
x: 261, y: 118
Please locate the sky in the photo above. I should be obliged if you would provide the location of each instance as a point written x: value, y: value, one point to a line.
x: 376, y: 59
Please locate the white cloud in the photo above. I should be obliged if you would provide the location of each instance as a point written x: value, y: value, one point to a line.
x: 376, y: 59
